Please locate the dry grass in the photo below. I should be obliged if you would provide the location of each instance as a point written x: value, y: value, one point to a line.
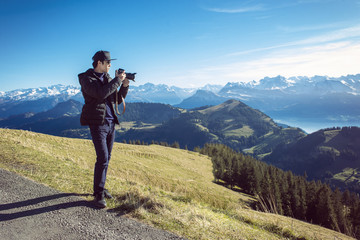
x: 125, y: 126
x: 171, y: 189
x: 245, y: 131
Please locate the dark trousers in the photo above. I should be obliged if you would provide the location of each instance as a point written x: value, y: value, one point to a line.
x: 103, y: 138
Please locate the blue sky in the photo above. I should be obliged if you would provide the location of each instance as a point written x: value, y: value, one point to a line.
x: 185, y: 43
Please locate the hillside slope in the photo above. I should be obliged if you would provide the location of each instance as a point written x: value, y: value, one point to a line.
x: 64, y: 119
x: 169, y: 188
x: 331, y: 155
x: 232, y: 123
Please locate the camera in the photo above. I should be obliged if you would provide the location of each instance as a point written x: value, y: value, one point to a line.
x: 130, y: 76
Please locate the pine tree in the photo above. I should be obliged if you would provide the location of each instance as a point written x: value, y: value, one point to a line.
x: 356, y: 221
x: 301, y: 212
x: 285, y: 198
x: 346, y: 202
x: 265, y: 193
x: 218, y: 167
x: 175, y: 145
x: 288, y: 204
x: 346, y: 198
x: 236, y: 167
x: 354, y: 215
x: 294, y: 198
x: 325, y: 213
x: 253, y: 177
x: 339, y: 210
x: 276, y: 193
x: 228, y: 169
x: 311, y: 191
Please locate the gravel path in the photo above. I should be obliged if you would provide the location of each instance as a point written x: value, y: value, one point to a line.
x: 29, y: 210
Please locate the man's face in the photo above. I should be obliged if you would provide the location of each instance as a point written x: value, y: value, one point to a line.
x: 104, y: 66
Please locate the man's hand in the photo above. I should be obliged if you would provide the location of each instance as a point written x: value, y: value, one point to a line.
x: 125, y: 83
x: 122, y: 75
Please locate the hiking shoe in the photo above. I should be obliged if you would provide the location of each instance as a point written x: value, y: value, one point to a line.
x: 107, y: 194
x: 99, y: 200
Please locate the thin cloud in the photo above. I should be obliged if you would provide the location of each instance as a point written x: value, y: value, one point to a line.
x: 338, y: 35
x: 237, y: 10
x: 307, y: 28
x: 341, y: 34
x: 314, y: 1
x: 332, y: 59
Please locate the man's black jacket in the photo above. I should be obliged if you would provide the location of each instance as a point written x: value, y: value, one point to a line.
x: 95, y: 93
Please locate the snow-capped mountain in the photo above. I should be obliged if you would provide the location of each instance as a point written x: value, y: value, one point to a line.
x: 31, y: 94
x: 43, y: 98
x: 35, y: 100
x: 152, y: 93
x: 212, y: 88
x: 280, y: 87
x: 302, y: 84
x: 201, y: 98
x: 161, y: 93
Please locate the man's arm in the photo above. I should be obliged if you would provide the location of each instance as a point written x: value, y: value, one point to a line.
x: 97, y: 91
x: 123, y: 90
x: 93, y: 89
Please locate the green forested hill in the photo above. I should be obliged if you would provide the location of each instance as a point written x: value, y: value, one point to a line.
x: 232, y: 123
x: 332, y: 155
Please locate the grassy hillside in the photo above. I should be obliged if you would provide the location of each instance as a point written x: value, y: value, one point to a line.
x: 171, y: 189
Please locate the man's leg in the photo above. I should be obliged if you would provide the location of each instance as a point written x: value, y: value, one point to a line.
x: 99, y: 136
x: 110, y: 142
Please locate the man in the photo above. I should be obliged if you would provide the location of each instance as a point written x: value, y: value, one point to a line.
x: 100, y: 94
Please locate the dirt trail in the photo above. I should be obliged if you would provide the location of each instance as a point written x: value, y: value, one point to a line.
x: 29, y: 210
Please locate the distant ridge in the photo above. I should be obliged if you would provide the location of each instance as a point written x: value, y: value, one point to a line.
x: 201, y: 98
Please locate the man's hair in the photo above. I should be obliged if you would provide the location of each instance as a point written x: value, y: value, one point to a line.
x: 95, y: 63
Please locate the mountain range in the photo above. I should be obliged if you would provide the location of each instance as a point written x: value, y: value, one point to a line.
x: 41, y: 99
x: 311, y: 103
x: 293, y: 85
x: 35, y: 100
